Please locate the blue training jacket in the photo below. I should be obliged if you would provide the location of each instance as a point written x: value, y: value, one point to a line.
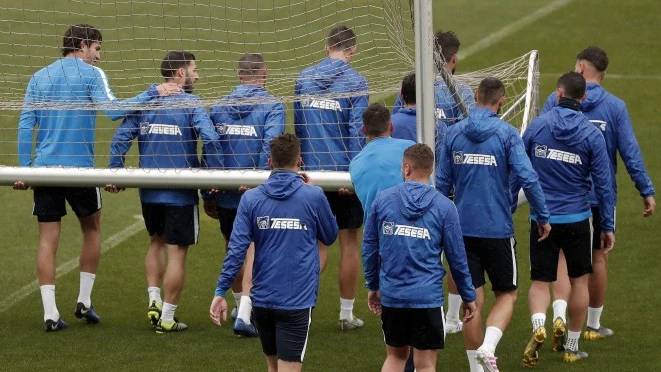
x: 482, y: 152
x: 168, y: 139
x: 447, y: 110
x: 66, y: 137
x: 377, y: 167
x: 330, y: 129
x: 285, y: 218
x: 404, y: 124
x: 408, y: 227
x: 246, y: 131
x: 566, y: 150
x: 610, y: 115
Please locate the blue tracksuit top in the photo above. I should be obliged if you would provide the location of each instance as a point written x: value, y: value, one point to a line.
x: 565, y: 151
x: 66, y: 137
x: 482, y: 153
x: 377, y: 167
x: 447, y: 110
x: 404, y: 126
x: 246, y: 132
x: 408, y: 227
x: 610, y: 115
x: 330, y: 129
x: 285, y: 218
x: 168, y: 139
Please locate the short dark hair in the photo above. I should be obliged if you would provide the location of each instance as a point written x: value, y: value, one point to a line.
x: 285, y: 150
x: 376, y: 119
x: 341, y: 38
x: 173, y: 61
x: 596, y: 56
x: 250, y: 63
x: 420, y: 156
x: 574, y: 85
x: 446, y: 43
x: 490, y: 91
x: 408, y: 89
x: 76, y: 34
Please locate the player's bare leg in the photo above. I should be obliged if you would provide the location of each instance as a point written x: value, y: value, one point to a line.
x: 395, y: 359
x: 597, y: 287
x: 323, y: 256
x: 348, y: 277
x: 578, y: 307
x: 539, y: 299
x: 155, y: 271
x: 474, y: 332
x: 289, y: 366
x: 49, y: 239
x: 243, y: 325
x: 91, y: 247
x: 425, y: 360
x: 497, y: 322
x: 237, y: 290
x: 561, y: 289
x: 173, y: 284
x: 453, y: 322
x: 272, y: 363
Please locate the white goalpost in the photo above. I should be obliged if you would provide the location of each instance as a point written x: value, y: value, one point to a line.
x: 394, y: 37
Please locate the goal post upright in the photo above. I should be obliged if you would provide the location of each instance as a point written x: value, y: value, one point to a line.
x: 424, y: 73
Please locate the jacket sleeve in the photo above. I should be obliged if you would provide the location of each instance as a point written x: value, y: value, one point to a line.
x: 600, y: 170
x: 444, y: 171
x: 211, y: 151
x: 399, y: 103
x: 274, y: 126
x: 101, y: 93
x: 326, y: 225
x: 237, y: 248
x: 358, y: 106
x: 629, y: 150
x: 515, y: 183
x: 122, y: 140
x: 455, y: 252
x: 527, y: 177
x: 26, y: 126
x: 551, y: 102
x: 371, y: 260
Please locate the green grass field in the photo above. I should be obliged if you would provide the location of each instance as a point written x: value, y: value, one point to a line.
x: 125, y: 341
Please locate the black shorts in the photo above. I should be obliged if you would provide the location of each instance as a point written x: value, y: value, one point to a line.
x: 283, y: 332
x: 226, y: 217
x: 495, y: 256
x: 50, y: 206
x: 347, y: 210
x: 575, y: 240
x: 596, y: 228
x: 179, y: 225
x: 422, y: 329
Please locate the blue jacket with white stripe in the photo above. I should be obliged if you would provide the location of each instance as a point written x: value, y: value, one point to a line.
x: 285, y: 218
x: 610, y: 115
x: 168, y: 139
x: 66, y: 137
x: 408, y: 227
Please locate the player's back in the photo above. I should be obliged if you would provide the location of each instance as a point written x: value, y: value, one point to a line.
x: 286, y: 218
x: 447, y: 109
x: 404, y: 124
x: 329, y: 135
x: 478, y: 148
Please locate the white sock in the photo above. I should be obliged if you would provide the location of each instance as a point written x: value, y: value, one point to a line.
x: 48, y: 299
x: 155, y: 295
x: 492, y: 338
x: 237, y: 299
x: 454, y: 305
x: 167, y: 314
x: 245, y: 308
x: 538, y: 320
x: 472, y: 362
x: 560, y: 310
x: 86, y: 284
x: 346, y: 309
x: 594, y: 317
x: 572, y: 340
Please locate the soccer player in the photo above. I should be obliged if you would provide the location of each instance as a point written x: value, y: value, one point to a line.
x: 610, y: 115
x: 569, y: 155
x: 408, y: 227
x: 246, y: 132
x: 284, y: 218
x: 482, y: 153
x: 404, y: 120
x: 66, y: 138
x: 330, y: 133
x: 167, y: 138
x: 446, y: 46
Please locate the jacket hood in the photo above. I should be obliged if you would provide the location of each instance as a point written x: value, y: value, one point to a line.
x: 595, y: 94
x: 282, y: 184
x: 569, y: 126
x: 325, y: 73
x: 481, y: 124
x: 407, y: 110
x: 243, y: 92
x: 415, y: 199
